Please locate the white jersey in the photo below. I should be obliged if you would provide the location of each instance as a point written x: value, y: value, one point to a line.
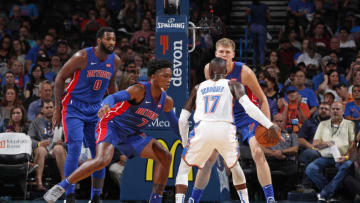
x: 214, y: 102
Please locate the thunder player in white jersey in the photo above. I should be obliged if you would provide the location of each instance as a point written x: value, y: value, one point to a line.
x: 214, y: 128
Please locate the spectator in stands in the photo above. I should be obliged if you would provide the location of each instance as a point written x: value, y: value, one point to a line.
x: 24, y: 35
x: 274, y: 62
x: 345, y: 54
x: 18, y: 69
x: 130, y: 16
x: 3, y: 29
x: 352, y: 109
x: 271, y: 91
x: 17, y: 121
x: 55, y: 64
x: 62, y: 50
x: 330, y: 80
x: 303, y: 10
x: 293, y: 36
x: 19, y: 50
x: 105, y: 15
x: 309, y: 55
x: 45, y: 94
x: 32, y: 90
x: 16, y: 20
x: 355, y: 79
x: 345, y: 41
x: 9, y: 101
x: 291, y: 24
x: 92, y: 23
x: 294, y: 111
x: 272, y: 72
x: 308, y: 95
x: 287, y: 53
x: 9, y: 81
x: 335, y: 132
x: 319, y: 78
x: 282, y: 157
x: 343, y: 92
x: 44, y: 62
x: 72, y: 26
x: 27, y: 10
x: 5, y: 47
x: 144, y: 32
x: 260, y: 13
x: 46, y: 44
x: 352, y: 181
x: 306, y: 135
x: 41, y: 133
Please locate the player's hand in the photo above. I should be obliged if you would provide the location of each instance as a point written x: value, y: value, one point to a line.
x: 56, y: 117
x: 103, y: 111
x: 275, y: 133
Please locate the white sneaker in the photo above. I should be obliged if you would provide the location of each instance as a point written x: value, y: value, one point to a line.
x: 54, y: 193
x: 320, y: 198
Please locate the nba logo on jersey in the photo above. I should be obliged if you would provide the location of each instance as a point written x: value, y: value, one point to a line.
x: 108, y: 65
x: 233, y: 79
x: 159, y: 106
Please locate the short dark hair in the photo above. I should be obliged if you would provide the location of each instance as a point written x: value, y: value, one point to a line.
x: 101, y: 31
x: 46, y: 101
x: 157, y: 64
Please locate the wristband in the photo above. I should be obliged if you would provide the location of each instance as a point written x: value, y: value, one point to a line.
x: 38, y: 144
x: 346, y: 157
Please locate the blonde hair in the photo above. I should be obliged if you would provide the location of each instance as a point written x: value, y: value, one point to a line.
x: 225, y: 42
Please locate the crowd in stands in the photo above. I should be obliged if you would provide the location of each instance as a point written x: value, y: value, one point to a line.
x: 311, y: 80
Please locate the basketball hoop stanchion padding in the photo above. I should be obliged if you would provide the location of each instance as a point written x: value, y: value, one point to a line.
x: 171, y: 44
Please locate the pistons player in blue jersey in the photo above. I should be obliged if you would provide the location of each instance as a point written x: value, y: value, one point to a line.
x: 92, y: 74
x: 123, y: 117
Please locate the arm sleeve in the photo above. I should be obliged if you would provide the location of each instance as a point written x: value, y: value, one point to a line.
x: 115, y: 98
x: 174, y: 121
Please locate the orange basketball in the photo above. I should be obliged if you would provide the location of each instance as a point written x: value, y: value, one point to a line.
x: 265, y: 139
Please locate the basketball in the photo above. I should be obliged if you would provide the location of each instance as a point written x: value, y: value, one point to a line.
x: 265, y: 139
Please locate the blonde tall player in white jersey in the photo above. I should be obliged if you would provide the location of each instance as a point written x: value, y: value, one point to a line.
x: 214, y: 128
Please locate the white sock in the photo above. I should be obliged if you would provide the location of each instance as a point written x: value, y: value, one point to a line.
x: 243, y: 195
x: 254, y: 112
x: 179, y: 198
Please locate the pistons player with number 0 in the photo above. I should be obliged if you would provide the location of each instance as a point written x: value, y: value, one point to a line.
x: 92, y: 74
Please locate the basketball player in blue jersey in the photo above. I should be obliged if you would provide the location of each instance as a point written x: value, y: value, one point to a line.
x: 123, y: 117
x: 236, y: 71
x: 92, y: 71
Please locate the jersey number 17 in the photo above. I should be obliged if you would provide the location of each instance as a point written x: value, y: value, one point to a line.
x: 211, y: 101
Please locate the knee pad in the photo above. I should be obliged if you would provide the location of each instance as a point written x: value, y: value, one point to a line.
x: 182, y: 175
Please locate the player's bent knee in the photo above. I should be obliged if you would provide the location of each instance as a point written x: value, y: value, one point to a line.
x: 102, y: 162
x: 167, y: 158
x: 258, y: 154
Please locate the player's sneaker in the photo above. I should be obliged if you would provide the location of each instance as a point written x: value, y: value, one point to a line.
x: 70, y: 198
x: 54, y: 193
x: 271, y: 200
x: 95, y: 199
x: 320, y: 198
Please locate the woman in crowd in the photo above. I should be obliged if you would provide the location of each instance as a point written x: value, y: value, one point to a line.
x: 9, y: 101
x: 17, y: 121
x: 32, y: 88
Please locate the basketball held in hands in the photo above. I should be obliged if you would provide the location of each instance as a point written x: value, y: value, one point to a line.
x: 268, y: 137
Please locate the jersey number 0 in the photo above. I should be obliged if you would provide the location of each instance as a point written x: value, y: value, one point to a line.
x: 97, y: 84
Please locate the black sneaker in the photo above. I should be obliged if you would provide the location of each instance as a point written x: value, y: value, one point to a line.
x: 95, y: 199
x: 70, y: 199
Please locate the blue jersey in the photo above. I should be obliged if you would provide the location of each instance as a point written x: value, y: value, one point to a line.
x: 240, y: 115
x: 129, y: 119
x: 89, y: 84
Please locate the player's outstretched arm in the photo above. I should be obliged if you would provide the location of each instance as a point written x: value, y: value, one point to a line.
x: 238, y: 91
x: 135, y: 92
x: 77, y: 62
